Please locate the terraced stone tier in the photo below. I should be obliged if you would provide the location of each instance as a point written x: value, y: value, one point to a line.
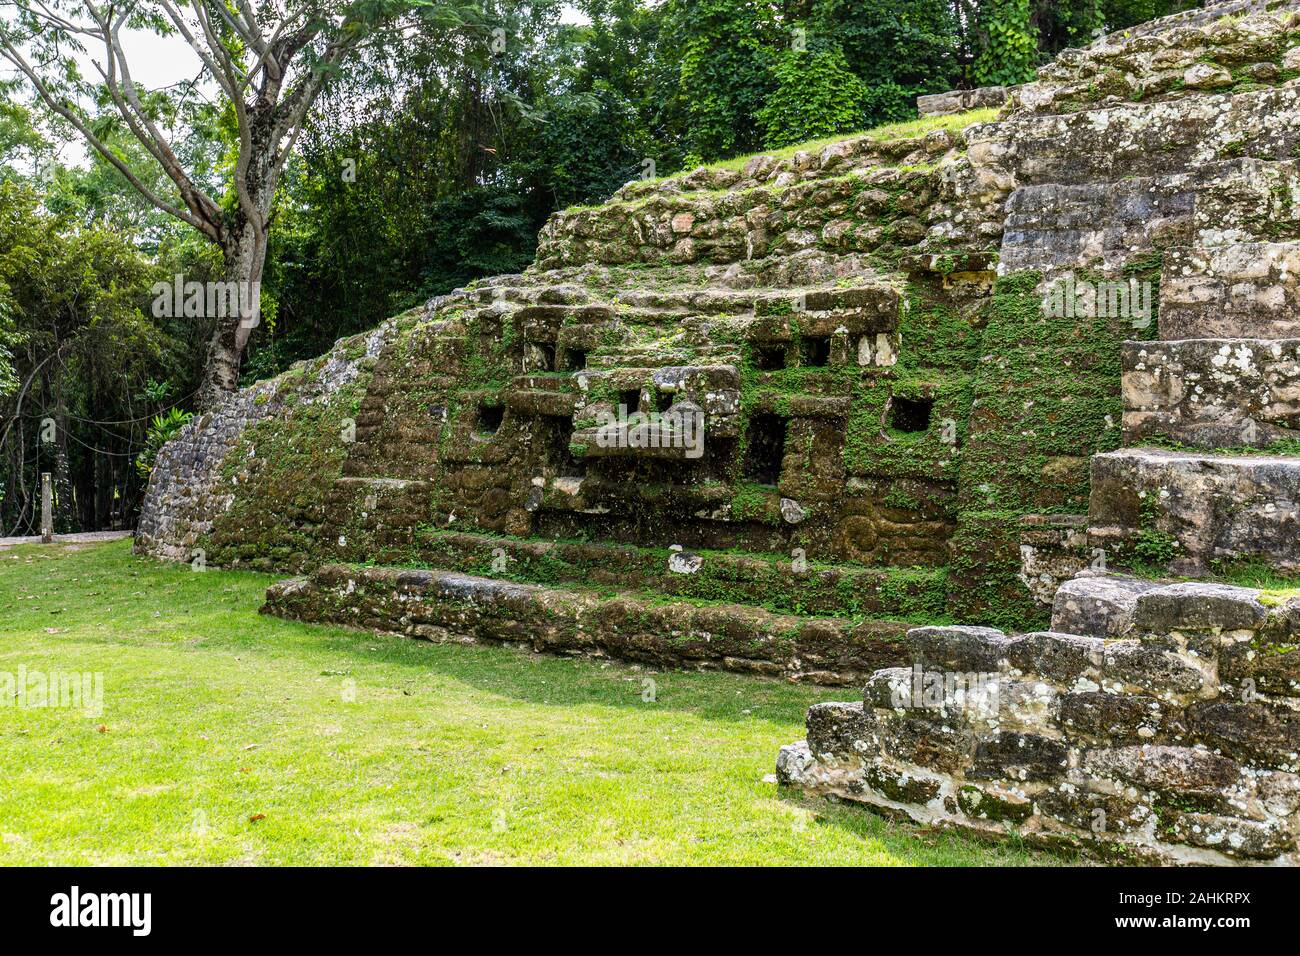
x: 1238, y: 291
x: 1175, y: 743
x: 1211, y: 224
x: 1228, y: 45
x: 448, y: 606
x: 1202, y: 508
x: 791, y: 584
x: 1212, y: 392
x: 852, y: 211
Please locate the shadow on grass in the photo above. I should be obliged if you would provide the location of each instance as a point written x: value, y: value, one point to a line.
x: 148, y: 602
x: 865, y: 822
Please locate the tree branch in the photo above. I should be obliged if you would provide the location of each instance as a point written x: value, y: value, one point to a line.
x: 11, y: 53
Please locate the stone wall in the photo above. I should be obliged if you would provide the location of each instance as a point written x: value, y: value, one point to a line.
x: 1166, y: 729
x: 445, y: 606
x: 193, y: 488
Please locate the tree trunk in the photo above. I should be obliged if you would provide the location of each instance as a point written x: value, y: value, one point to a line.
x: 245, y: 257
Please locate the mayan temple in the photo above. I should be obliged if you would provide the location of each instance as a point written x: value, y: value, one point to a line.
x: 979, y: 417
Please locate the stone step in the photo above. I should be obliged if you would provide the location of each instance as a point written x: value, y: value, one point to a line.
x: 1056, y: 226
x: 844, y: 590
x: 1247, y: 199
x: 1189, y: 511
x: 651, y: 306
x: 1105, y: 225
x: 450, y: 606
x: 1116, y: 605
x: 858, y: 210
x: 1240, y: 290
x: 1212, y: 392
x: 1180, y: 56
x: 1098, y: 604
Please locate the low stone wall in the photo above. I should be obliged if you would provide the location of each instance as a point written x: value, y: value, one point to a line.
x: 1174, y: 740
x: 962, y: 101
x: 446, y: 606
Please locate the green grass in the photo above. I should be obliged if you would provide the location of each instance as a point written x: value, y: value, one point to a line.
x: 229, y: 738
x: 891, y: 131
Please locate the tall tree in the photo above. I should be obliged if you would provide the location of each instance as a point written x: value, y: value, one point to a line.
x: 725, y: 49
x: 266, y: 60
x: 899, y: 48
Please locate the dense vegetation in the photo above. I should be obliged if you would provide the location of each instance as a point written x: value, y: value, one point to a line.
x: 426, y: 164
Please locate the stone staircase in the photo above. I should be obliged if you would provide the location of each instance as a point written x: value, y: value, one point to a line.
x: 1218, y: 394
x: 1152, y: 725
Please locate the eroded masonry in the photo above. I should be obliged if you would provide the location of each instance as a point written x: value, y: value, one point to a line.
x: 797, y: 414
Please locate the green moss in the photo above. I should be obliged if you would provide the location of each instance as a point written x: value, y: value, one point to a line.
x: 1152, y: 545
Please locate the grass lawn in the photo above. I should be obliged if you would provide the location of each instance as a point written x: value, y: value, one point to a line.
x: 230, y: 738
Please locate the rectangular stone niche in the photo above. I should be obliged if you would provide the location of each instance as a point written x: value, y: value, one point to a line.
x: 910, y: 414
x: 815, y: 351
x: 489, y: 420
x: 765, y: 448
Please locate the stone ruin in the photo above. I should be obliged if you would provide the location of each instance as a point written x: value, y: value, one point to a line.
x: 794, y: 415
